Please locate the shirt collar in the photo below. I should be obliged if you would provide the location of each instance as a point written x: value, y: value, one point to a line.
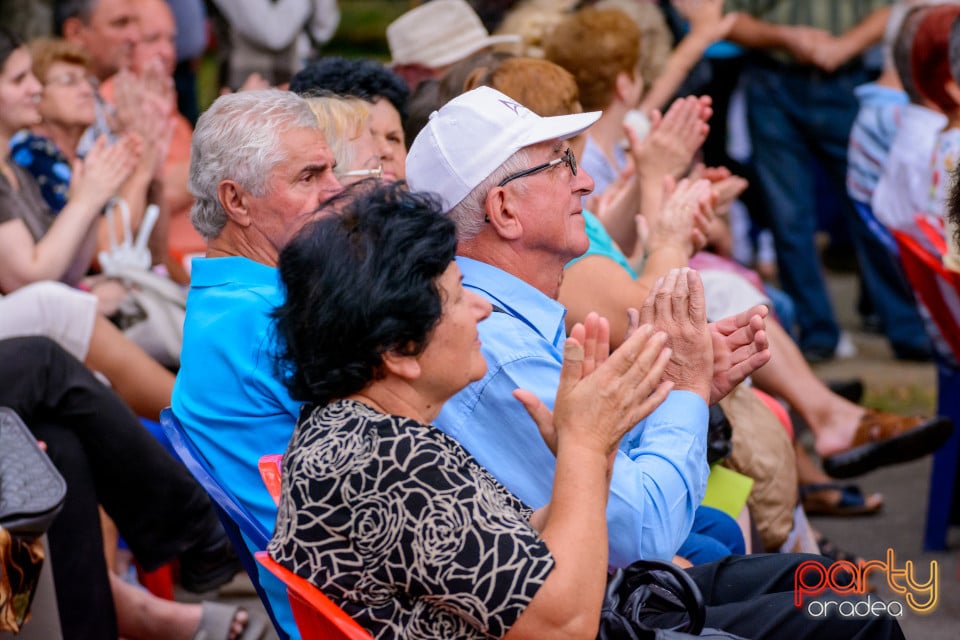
x: 212, y: 272
x: 517, y: 298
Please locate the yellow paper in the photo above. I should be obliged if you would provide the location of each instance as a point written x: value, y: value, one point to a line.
x: 727, y: 490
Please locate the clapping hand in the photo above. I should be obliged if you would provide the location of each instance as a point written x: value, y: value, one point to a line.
x: 739, y: 348
x: 602, y: 396
x: 676, y: 306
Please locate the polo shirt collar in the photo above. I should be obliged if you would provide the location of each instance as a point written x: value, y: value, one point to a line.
x: 212, y: 272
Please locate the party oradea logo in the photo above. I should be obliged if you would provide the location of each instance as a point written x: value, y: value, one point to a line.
x: 815, y: 584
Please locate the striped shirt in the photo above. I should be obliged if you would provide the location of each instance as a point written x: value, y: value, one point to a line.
x: 871, y: 136
x: 835, y: 16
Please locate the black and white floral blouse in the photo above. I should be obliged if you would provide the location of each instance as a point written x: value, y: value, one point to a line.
x: 399, y: 525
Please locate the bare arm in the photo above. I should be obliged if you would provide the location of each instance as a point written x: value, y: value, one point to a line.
x: 752, y: 33
x: 807, y: 44
x: 597, y: 283
x: 668, y: 149
x: 854, y: 42
x: 617, y: 208
x: 707, y: 25
x: 66, y: 243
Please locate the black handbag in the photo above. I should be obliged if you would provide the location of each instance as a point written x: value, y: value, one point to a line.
x: 647, y: 588
x: 32, y: 491
x: 719, y: 435
x: 648, y: 593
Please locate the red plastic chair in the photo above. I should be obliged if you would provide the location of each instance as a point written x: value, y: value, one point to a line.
x: 938, y: 289
x: 159, y: 582
x: 271, y: 471
x: 316, y: 615
x: 318, y: 618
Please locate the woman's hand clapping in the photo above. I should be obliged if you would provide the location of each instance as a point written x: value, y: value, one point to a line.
x: 601, y: 396
x: 98, y: 176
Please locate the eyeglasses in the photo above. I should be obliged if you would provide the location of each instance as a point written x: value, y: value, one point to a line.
x: 567, y: 158
x: 376, y: 172
x: 70, y: 80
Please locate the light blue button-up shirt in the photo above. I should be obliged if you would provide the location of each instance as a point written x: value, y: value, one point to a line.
x: 660, y: 473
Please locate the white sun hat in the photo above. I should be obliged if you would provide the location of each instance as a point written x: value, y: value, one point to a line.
x: 438, y: 33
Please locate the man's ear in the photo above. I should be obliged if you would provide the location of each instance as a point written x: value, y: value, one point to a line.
x: 501, y: 214
x: 402, y: 366
x: 232, y: 198
x: 72, y: 28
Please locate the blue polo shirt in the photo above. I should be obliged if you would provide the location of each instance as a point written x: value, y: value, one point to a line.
x: 227, y: 394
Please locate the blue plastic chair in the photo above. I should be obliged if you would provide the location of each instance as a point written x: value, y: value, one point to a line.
x: 939, y: 291
x: 235, y: 517
x: 877, y: 228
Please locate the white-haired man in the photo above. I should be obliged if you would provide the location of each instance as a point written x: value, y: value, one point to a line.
x: 259, y: 169
x: 511, y: 183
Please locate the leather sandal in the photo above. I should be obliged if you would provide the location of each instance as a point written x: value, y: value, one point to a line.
x: 883, y: 439
x: 837, y: 499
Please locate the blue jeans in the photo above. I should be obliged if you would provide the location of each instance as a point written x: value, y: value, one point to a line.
x: 883, y: 277
x: 714, y: 536
x: 798, y: 117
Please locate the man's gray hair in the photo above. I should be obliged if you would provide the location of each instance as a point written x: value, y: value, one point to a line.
x: 469, y: 213
x: 238, y: 138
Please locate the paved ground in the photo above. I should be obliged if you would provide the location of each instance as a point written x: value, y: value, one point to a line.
x: 900, y: 525
x: 889, y: 384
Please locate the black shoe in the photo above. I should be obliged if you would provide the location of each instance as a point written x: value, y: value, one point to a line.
x: 208, y: 567
x: 851, y: 389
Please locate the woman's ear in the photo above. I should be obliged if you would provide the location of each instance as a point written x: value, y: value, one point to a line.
x: 623, y: 85
x: 501, y: 214
x: 400, y: 365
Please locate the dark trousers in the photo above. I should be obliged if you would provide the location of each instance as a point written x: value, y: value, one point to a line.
x: 752, y: 596
x: 799, y: 117
x: 108, y: 458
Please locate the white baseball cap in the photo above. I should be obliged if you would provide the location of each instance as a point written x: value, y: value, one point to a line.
x: 473, y: 134
x: 439, y: 33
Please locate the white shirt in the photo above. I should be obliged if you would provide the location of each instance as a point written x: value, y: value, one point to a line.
x: 904, y: 186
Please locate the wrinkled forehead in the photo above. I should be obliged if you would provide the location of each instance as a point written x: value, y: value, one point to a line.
x: 303, y: 146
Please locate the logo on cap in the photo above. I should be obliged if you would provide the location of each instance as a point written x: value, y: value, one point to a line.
x: 513, y: 106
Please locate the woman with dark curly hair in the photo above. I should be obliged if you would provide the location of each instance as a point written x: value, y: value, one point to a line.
x: 378, y: 85
x: 392, y: 518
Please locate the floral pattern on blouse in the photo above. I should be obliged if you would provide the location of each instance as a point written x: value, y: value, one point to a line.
x: 396, y: 523
x: 946, y: 153
x: 46, y: 163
